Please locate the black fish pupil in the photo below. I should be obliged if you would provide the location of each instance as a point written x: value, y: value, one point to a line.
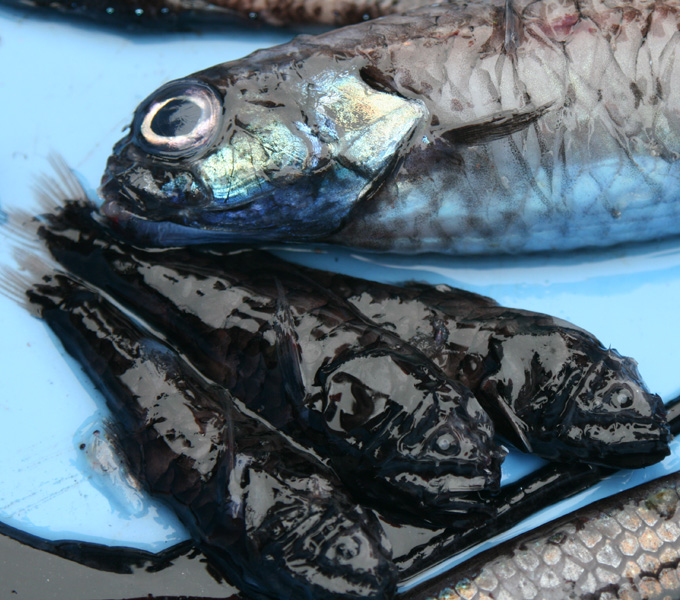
x: 177, y: 117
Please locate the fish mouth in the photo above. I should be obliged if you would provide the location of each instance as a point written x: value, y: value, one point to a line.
x: 650, y: 447
x: 637, y: 455
x: 117, y: 215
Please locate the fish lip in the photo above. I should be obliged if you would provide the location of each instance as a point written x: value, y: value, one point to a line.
x: 116, y: 214
x: 635, y: 455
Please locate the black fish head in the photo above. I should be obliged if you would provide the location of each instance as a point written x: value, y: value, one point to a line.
x: 611, y: 417
x: 422, y: 433
x: 314, y: 543
x: 230, y: 154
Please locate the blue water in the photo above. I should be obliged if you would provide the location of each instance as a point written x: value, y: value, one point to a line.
x: 72, y: 89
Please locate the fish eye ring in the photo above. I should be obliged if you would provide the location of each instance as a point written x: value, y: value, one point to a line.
x: 178, y: 119
x: 621, y: 397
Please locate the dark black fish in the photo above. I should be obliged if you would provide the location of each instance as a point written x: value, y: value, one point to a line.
x: 552, y: 388
x: 271, y: 518
x: 397, y: 431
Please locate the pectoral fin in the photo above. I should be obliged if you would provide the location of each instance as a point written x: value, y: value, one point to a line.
x: 494, y: 127
x: 518, y: 426
x: 287, y: 347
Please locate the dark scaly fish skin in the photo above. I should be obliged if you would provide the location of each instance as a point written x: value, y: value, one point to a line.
x: 551, y: 387
x: 622, y: 547
x: 469, y: 127
x: 375, y: 407
x: 272, y: 519
x: 183, y: 15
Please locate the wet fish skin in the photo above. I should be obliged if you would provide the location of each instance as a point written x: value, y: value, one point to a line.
x: 398, y: 432
x: 186, y: 15
x: 533, y: 126
x: 621, y: 547
x: 274, y: 520
x: 552, y: 388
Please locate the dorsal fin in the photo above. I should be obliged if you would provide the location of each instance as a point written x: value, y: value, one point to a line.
x: 512, y: 28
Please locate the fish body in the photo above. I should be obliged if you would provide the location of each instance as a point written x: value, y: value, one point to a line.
x: 354, y: 350
x: 553, y: 388
x: 185, y: 15
x: 621, y: 547
x: 470, y: 128
x: 167, y: 290
x: 272, y: 519
x: 397, y: 431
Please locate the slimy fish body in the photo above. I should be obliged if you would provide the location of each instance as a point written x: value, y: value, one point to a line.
x: 258, y: 327
x: 272, y: 519
x: 397, y: 430
x: 400, y: 371
x: 469, y: 128
x: 552, y: 388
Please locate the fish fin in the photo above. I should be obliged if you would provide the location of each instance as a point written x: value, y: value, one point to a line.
x: 59, y: 196
x: 513, y: 26
x: 499, y: 125
x: 517, y: 425
x: 53, y: 191
x: 287, y: 347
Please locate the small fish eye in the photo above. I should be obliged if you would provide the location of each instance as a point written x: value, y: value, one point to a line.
x: 621, y: 398
x: 178, y: 119
x: 347, y: 549
x: 446, y: 443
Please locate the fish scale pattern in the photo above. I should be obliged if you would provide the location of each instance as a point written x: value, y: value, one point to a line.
x: 623, y: 548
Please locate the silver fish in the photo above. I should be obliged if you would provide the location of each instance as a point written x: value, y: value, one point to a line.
x: 622, y: 547
x: 469, y: 128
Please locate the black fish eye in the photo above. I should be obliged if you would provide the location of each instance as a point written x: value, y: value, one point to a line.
x: 178, y: 119
x: 346, y: 549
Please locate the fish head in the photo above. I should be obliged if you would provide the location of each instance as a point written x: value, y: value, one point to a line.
x: 423, y: 433
x: 611, y: 417
x: 254, y: 156
x: 313, y: 540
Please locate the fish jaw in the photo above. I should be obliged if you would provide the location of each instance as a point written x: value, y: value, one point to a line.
x: 256, y: 165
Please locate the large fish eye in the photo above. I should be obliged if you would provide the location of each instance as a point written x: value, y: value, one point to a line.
x: 178, y: 119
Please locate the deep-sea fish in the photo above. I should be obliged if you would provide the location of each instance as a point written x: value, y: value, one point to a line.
x: 549, y: 386
x: 622, y: 547
x: 468, y: 127
x: 271, y: 518
x: 398, y: 432
x: 217, y: 14
x: 552, y: 388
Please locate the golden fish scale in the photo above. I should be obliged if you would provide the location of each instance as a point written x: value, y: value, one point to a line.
x: 623, y: 548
